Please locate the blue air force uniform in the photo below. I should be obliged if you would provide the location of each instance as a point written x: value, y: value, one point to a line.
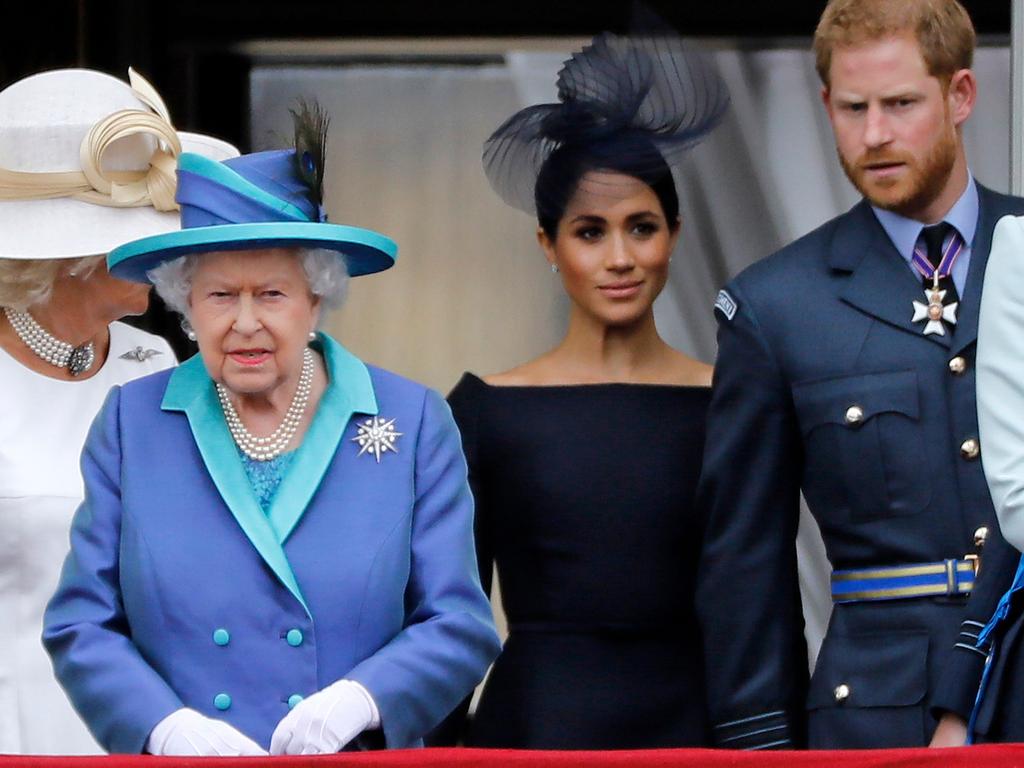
x: 992, y: 644
x: 824, y: 384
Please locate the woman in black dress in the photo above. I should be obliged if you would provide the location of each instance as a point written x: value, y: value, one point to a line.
x: 584, y: 461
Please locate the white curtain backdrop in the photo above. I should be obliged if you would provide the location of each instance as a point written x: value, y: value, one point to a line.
x: 471, y: 290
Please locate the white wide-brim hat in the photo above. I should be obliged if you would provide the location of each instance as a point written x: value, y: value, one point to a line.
x: 99, y: 152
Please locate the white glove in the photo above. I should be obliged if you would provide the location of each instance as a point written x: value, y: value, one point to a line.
x: 186, y: 732
x: 326, y: 721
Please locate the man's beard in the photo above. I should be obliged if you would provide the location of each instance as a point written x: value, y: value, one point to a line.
x: 922, y: 185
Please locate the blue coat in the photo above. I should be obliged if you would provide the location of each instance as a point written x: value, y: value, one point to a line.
x: 180, y: 591
x: 823, y: 325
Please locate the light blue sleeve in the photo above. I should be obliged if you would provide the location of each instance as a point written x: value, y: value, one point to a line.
x: 1000, y: 376
x: 119, y: 696
x: 449, y: 639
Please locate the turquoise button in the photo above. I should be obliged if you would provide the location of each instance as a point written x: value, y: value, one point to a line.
x: 293, y: 700
x: 222, y: 701
x: 221, y: 637
x: 294, y: 637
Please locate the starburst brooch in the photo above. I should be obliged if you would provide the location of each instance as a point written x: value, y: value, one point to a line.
x: 376, y: 436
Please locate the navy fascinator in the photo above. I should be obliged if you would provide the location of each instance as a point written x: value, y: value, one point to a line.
x: 628, y: 103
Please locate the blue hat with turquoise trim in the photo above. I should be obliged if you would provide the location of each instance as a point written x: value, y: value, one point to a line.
x: 256, y: 201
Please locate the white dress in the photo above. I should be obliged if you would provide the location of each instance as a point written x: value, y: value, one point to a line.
x: 43, y: 425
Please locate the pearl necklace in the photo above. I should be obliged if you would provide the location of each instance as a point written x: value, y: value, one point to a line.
x: 273, y: 445
x: 46, y: 346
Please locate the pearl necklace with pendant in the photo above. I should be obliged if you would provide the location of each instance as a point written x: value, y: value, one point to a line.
x: 47, y: 347
x: 274, y: 444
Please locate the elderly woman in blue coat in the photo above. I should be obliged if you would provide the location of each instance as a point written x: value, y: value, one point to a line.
x: 275, y: 548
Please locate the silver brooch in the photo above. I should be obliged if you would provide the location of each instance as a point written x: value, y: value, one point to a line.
x: 376, y: 436
x: 140, y: 355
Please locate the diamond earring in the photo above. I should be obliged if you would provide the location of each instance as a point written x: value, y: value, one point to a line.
x: 554, y: 269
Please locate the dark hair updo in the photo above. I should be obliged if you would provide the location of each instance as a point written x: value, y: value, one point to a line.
x: 634, y: 156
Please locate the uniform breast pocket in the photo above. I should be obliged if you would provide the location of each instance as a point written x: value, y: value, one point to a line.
x: 864, y: 444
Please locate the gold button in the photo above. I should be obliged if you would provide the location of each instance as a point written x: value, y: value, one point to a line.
x: 854, y: 415
x: 957, y: 366
x: 970, y: 449
x: 980, y: 535
x: 842, y: 692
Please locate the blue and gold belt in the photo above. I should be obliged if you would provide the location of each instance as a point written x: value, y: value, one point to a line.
x: 898, y: 582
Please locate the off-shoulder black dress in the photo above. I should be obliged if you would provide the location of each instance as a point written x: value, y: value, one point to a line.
x: 585, y: 502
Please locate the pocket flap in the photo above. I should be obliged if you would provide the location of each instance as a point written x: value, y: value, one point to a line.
x: 871, y: 670
x: 828, y: 401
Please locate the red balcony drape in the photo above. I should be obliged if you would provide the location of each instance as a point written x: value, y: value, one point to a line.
x: 988, y: 756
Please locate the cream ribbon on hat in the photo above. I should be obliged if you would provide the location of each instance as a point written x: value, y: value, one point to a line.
x: 116, y: 189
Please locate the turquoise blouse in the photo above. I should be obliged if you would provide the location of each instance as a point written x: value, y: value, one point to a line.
x: 266, y: 476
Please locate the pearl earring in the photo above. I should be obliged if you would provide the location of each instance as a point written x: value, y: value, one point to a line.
x: 554, y: 269
x: 312, y: 335
x: 190, y: 333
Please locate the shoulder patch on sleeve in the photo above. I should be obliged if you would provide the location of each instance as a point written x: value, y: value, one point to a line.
x: 726, y: 304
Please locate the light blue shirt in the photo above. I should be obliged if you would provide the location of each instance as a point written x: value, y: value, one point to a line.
x: 904, y: 233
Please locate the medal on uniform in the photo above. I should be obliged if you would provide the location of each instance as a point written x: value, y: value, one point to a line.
x: 935, y: 312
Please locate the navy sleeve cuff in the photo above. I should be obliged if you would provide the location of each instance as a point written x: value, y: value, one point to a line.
x: 959, y: 684
x: 769, y: 730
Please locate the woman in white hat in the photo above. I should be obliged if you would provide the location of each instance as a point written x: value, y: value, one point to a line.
x: 86, y: 163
